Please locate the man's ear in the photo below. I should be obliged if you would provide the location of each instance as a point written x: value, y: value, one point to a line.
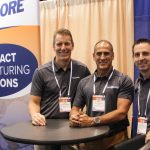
x: 94, y: 56
x: 113, y: 55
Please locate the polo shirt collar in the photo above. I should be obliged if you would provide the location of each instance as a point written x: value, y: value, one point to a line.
x: 140, y: 78
x: 106, y: 76
x: 57, y: 67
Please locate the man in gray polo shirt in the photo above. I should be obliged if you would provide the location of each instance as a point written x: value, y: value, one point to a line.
x: 55, y: 82
x: 141, y: 56
x: 107, y: 95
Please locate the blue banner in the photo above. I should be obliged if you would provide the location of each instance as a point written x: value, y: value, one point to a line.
x: 19, y: 57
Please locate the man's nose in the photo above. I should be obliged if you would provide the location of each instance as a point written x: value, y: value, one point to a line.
x: 63, y: 46
x: 141, y: 57
x: 102, y: 56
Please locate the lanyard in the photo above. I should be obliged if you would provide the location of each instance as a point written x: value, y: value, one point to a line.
x: 60, y: 93
x: 139, y: 88
x: 105, y: 84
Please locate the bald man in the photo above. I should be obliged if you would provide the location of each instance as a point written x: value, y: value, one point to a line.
x: 107, y: 95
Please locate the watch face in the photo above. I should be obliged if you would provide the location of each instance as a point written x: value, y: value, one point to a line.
x: 97, y: 120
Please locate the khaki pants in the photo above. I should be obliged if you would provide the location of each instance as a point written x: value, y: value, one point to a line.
x: 104, y: 143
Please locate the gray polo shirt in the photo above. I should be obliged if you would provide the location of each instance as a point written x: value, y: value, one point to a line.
x: 143, y: 95
x: 119, y: 86
x: 45, y: 86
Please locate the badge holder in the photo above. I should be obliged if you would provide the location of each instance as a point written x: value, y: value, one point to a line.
x: 64, y: 104
x: 98, y: 103
x: 142, y: 125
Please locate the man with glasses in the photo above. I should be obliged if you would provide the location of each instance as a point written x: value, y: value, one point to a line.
x: 56, y: 82
x: 107, y: 95
x: 141, y: 56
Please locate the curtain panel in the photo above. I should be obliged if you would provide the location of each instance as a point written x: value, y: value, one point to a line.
x: 90, y: 21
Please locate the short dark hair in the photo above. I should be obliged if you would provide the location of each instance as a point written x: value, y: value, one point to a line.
x: 62, y: 31
x: 139, y: 41
x: 103, y: 41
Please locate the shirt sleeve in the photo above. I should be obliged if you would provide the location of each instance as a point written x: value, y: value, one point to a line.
x: 37, y: 84
x: 79, y: 100
x: 126, y: 89
x: 87, y: 72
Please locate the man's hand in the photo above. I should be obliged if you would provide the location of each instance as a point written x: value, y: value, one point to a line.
x: 81, y: 120
x: 74, y: 120
x: 38, y: 119
x: 86, y: 121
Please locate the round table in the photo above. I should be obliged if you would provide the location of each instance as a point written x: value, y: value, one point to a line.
x: 56, y: 132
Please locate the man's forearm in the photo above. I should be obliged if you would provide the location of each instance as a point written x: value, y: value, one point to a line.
x: 113, y: 116
x: 33, y: 108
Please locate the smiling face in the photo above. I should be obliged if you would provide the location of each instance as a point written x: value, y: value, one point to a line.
x: 103, y: 56
x: 141, y: 55
x: 63, y: 47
